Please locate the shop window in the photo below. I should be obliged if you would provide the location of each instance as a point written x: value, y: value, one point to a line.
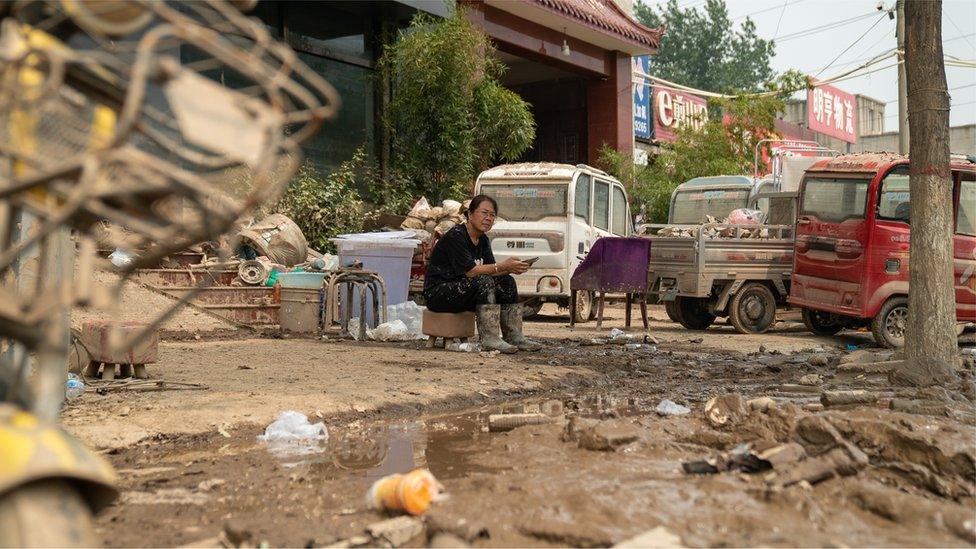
x: 601, y: 205
x: 582, y: 203
x: 619, y: 212
x: 324, y: 30
x: 352, y: 128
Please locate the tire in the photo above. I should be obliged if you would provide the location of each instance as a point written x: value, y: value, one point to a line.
x: 693, y: 313
x: 46, y: 513
x: 888, y: 326
x: 584, y: 307
x: 821, y: 323
x: 671, y: 308
x: 753, y: 309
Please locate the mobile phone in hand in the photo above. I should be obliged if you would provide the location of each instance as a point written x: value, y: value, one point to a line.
x: 530, y: 260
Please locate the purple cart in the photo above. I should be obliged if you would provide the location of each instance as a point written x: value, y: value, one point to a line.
x: 614, y: 264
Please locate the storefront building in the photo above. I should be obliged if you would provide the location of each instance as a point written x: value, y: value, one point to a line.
x: 569, y: 59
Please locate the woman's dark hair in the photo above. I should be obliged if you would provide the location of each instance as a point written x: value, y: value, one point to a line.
x: 476, y: 201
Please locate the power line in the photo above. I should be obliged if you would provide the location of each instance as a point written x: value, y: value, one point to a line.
x: 950, y: 106
x: 828, y: 26
x: 787, y: 3
x: 964, y: 86
x: 859, y: 38
x: 962, y: 35
x: 780, y: 20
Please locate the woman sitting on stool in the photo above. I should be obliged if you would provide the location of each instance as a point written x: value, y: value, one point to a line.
x: 462, y: 276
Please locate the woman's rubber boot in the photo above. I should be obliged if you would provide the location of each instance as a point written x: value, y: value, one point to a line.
x: 489, y: 329
x: 512, y: 329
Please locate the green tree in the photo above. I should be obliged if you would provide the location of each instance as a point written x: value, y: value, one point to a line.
x: 449, y: 116
x: 703, y: 49
x: 725, y: 145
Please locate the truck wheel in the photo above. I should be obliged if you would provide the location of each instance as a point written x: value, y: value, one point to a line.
x: 693, y: 313
x: 753, y: 309
x: 671, y: 308
x: 584, y: 307
x: 821, y: 323
x: 890, y: 323
x: 46, y: 513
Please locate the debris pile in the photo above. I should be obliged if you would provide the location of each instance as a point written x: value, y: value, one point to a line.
x: 740, y: 223
x: 427, y: 222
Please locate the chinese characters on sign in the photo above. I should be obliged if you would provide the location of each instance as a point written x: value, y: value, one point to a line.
x: 642, y: 99
x: 669, y: 108
x: 832, y: 112
x: 674, y: 109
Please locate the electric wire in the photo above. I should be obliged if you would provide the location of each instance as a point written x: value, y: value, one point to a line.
x: 859, y: 38
x: 829, y: 26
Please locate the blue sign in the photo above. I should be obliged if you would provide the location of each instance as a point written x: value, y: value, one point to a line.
x: 642, y: 99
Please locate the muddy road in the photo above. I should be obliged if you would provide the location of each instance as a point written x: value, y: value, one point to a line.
x: 605, y: 468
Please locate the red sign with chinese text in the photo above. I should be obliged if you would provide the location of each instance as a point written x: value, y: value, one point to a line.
x: 832, y: 112
x: 674, y: 109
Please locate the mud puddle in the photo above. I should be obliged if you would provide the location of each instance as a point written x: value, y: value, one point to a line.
x: 535, y: 486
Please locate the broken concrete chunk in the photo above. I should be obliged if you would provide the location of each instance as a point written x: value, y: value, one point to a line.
x: 919, y: 406
x: 659, y: 537
x: 608, y: 436
x: 811, y: 379
x: 761, y: 404
x: 848, y: 398
x: 836, y: 462
x: 863, y: 356
x: 395, y: 532
x: 725, y: 409
x: 818, y: 360
x: 575, y: 427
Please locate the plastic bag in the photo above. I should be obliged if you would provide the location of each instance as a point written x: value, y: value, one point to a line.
x: 420, y: 208
x: 669, y: 408
x: 411, y: 314
x: 394, y: 330
x: 292, y: 425
x: 120, y: 258
x: 745, y: 216
x: 451, y: 207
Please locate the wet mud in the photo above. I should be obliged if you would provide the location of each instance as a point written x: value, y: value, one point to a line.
x: 788, y: 470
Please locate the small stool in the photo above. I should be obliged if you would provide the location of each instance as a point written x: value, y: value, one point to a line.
x: 447, y: 326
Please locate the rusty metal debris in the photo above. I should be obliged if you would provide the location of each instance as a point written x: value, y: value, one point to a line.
x: 103, y: 123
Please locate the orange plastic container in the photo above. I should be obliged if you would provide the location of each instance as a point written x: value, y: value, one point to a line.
x: 412, y: 492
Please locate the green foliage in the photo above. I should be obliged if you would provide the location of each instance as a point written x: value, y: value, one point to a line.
x: 703, y: 49
x: 449, y: 116
x: 721, y: 147
x: 325, y: 207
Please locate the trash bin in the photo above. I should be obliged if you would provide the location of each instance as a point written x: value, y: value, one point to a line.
x: 389, y: 254
x: 302, y: 302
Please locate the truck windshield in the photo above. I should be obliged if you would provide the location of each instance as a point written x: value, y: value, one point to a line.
x: 691, y: 207
x: 527, y: 201
x: 834, y: 200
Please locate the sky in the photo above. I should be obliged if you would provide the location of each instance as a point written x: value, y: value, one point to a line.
x: 806, y: 40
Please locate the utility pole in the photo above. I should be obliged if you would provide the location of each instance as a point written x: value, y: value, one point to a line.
x: 902, y: 82
x: 930, y: 330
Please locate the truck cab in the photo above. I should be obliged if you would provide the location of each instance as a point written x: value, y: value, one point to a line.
x: 853, y: 232
x: 554, y: 212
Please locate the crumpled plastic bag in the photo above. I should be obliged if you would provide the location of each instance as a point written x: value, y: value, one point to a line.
x: 451, y: 207
x: 669, y: 408
x: 411, y: 314
x: 120, y: 258
x: 294, y: 426
x: 745, y: 216
x: 394, y: 330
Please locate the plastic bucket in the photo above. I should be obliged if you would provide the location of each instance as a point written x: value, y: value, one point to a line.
x: 308, y: 281
x: 301, y: 310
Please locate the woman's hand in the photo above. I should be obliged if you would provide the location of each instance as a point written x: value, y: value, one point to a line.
x: 512, y: 265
